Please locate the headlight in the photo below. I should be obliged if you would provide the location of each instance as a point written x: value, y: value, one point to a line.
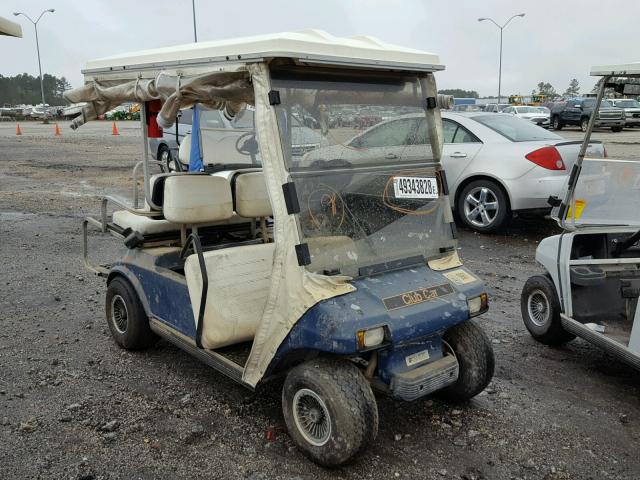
x: 370, y: 338
x: 478, y: 305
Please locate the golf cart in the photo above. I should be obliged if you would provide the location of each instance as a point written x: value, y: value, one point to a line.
x: 592, y: 281
x: 337, y: 278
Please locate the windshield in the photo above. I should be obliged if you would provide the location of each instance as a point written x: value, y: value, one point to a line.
x: 607, y: 193
x: 543, y: 109
x: 591, y: 102
x: 370, y: 193
x: 526, y: 110
x: 627, y: 103
x: 515, y: 129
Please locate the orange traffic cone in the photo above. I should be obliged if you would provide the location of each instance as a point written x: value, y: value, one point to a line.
x: 18, y: 131
x: 57, y: 130
x: 114, y: 129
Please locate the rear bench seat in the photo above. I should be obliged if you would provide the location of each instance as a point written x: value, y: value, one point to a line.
x: 239, y: 277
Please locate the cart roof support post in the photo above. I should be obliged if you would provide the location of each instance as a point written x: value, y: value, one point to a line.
x: 569, y: 199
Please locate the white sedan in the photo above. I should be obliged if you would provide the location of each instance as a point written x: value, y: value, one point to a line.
x: 496, y: 164
x: 539, y: 115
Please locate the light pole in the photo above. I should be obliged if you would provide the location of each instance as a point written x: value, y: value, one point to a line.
x: 193, y: 9
x: 35, y: 26
x: 500, y: 65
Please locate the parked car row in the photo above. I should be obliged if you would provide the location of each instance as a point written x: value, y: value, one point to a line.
x: 497, y: 165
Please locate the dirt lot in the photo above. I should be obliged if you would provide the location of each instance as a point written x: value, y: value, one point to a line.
x: 75, y: 406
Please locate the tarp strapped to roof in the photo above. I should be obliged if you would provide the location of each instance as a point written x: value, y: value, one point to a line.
x: 216, y: 90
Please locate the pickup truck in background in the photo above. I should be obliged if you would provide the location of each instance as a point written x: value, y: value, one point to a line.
x: 578, y: 111
x: 631, y: 109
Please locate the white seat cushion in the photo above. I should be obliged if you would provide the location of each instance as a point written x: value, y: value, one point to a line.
x: 196, y: 199
x: 239, y: 282
x: 252, y: 199
x: 184, y: 152
x: 144, y: 225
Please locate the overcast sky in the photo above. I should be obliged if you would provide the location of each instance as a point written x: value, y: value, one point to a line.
x: 557, y: 39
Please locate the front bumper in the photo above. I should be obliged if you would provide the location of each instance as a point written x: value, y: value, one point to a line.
x: 610, y: 122
x: 424, y: 380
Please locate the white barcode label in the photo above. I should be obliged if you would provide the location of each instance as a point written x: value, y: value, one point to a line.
x: 415, y: 187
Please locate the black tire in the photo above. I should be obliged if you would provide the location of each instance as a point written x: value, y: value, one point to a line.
x: 616, y: 129
x: 541, y: 311
x: 584, y: 123
x: 349, y: 404
x: 495, y: 194
x: 556, y: 123
x: 164, y: 156
x: 126, y: 317
x: 476, y: 361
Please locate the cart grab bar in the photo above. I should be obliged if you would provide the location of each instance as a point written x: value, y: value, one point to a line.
x: 197, y: 247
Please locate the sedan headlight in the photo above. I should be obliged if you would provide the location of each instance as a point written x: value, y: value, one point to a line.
x: 370, y: 338
x: 478, y: 305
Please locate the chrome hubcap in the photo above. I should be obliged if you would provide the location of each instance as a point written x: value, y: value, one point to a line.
x: 312, y: 417
x: 119, y: 314
x: 538, y: 307
x: 481, y: 207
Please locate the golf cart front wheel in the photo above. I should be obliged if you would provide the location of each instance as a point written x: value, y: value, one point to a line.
x: 541, y: 311
x: 476, y: 362
x: 330, y: 410
x: 126, y: 317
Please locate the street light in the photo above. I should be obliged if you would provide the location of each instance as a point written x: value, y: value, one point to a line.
x: 193, y: 10
x: 35, y: 25
x: 501, y: 29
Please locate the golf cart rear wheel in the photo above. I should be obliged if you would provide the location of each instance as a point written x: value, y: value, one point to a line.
x: 330, y: 410
x: 476, y: 363
x: 616, y: 129
x: 126, y: 317
x: 541, y: 311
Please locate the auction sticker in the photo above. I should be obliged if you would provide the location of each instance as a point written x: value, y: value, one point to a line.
x: 460, y: 277
x: 415, y: 187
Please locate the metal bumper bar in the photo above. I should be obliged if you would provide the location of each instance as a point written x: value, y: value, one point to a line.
x: 426, y: 379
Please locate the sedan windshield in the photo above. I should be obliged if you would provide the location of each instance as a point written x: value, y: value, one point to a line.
x: 631, y: 103
x: 515, y: 129
x: 526, y: 110
x: 371, y: 194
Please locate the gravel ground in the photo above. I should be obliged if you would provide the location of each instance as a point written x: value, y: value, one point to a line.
x: 75, y: 406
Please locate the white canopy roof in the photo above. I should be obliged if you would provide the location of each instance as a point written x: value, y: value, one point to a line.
x: 10, y: 28
x: 621, y: 70
x: 313, y: 46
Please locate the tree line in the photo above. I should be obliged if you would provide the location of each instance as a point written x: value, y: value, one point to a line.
x: 25, y: 89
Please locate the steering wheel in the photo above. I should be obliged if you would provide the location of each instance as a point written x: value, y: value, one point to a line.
x: 246, y: 144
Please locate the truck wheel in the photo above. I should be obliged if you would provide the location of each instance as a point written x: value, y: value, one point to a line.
x: 584, y: 124
x: 557, y: 125
x: 482, y: 205
x: 541, y: 311
x: 476, y: 362
x: 616, y: 129
x: 330, y: 410
x: 126, y: 317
